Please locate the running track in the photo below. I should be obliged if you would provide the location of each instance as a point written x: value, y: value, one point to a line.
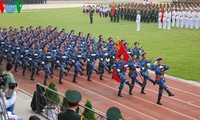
x: 185, y: 105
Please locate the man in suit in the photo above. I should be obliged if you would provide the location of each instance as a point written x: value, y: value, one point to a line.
x: 73, y: 98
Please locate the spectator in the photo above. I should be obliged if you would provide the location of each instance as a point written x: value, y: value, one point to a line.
x: 10, y: 77
x: 33, y: 117
x: 73, y: 98
x: 113, y: 113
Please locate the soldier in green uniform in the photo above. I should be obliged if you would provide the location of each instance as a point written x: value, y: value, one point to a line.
x: 113, y: 113
x: 73, y: 98
x: 91, y: 12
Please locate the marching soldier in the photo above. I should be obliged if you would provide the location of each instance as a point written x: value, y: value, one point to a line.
x: 91, y: 56
x: 120, y: 67
x: 144, y: 66
x: 102, y: 54
x: 133, y: 65
x: 136, y: 50
x: 160, y: 80
x: 76, y: 59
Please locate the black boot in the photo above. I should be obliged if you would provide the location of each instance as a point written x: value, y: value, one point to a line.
x: 130, y: 88
x: 140, y: 84
x: 81, y: 73
x: 142, y: 91
x: 169, y: 93
x: 32, y: 77
x: 158, y: 101
x: 82, y: 69
x: 154, y: 83
x: 23, y: 73
x: 130, y: 91
x: 74, y: 80
x: 101, y: 77
x: 119, y: 93
x: 97, y: 72
x: 45, y: 82
x: 89, y: 78
x: 15, y: 68
x: 60, y: 81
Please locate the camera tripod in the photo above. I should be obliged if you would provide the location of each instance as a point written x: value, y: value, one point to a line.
x: 3, y: 111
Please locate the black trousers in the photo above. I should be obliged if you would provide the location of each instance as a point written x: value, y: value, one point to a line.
x: 91, y: 19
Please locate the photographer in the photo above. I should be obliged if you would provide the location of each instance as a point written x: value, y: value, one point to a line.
x: 10, y: 77
x: 5, y: 103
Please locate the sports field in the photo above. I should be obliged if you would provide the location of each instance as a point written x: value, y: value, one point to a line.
x: 179, y: 47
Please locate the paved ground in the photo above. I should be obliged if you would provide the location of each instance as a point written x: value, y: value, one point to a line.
x: 22, y: 106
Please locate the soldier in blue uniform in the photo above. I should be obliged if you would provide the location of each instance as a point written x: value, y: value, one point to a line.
x: 76, y: 58
x: 46, y: 62
x: 16, y: 54
x: 24, y: 57
x: 121, y: 67
x: 137, y: 50
x: 133, y: 74
x: 144, y: 66
x: 91, y: 56
x: 61, y: 63
x: 33, y: 58
x: 2, y: 49
x: 102, y: 54
x: 160, y: 79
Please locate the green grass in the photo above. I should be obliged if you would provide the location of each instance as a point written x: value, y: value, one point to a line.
x: 179, y: 47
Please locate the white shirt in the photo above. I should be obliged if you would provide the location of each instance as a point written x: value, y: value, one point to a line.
x: 138, y: 18
x: 168, y: 15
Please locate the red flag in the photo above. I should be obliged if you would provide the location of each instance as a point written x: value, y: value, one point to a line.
x: 113, y: 9
x: 115, y: 77
x: 121, y: 50
x: 163, y: 11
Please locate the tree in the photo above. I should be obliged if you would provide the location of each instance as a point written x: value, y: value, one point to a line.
x: 88, y: 114
x: 121, y: 118
x: 1, y: 70
x: 51, y: 97
x: 64, y: 102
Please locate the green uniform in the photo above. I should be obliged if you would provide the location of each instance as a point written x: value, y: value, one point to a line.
x: 69, y: 115
x: 10, y: 79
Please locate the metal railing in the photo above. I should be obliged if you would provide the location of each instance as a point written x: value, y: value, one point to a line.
x: 52, y: 113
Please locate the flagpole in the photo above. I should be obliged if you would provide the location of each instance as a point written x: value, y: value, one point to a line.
x: 117, y: 37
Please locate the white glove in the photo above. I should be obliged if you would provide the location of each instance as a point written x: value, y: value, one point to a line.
x: 48, y: 56
x: 79, y: 56
x: 64, y: 57
x: 106, y: 54
x: 58, y: 61
x: 88, y: 59
x: 160, y: 67
x: 125, y: 65
x: 93, y: 54
x: 118, y: 70
x: 148, y: 64
x: 142, y: 68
